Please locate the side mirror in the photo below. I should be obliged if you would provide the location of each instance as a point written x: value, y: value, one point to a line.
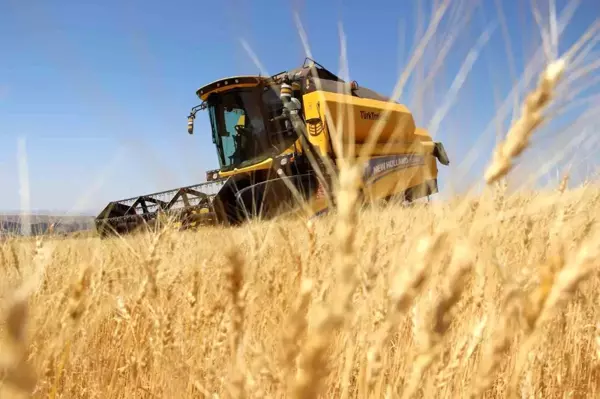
x: 190, y: 124
x: 440, y: 153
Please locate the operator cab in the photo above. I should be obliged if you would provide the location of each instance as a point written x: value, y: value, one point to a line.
x: 241, y: 110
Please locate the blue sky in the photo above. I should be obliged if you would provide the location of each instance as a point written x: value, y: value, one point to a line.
x: 100, y: 91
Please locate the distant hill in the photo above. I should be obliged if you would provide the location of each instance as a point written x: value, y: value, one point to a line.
x: 36, y: 224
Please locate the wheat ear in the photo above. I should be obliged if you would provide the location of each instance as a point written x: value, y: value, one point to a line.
x: 519, y: 134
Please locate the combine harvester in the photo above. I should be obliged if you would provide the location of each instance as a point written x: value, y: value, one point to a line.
x: 274, y: 138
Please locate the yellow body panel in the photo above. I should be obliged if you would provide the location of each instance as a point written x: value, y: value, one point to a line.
x: 423, y: 134
x: 366, y: 113
x: 402, y: 157
x: 266, y: 164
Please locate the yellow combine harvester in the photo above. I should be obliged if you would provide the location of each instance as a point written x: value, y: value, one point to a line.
x: 275, y: 138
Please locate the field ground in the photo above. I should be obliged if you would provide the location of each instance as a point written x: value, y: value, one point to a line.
x: 469, y: 297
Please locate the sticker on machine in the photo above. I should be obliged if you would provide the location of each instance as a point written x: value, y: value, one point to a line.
x: 377, y: 167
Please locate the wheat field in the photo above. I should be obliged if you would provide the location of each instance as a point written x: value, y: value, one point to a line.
x: 500, y: 299
x: 488, y: 295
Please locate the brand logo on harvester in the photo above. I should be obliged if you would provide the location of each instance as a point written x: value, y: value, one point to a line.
x: 370, y: 115
x: 380, y: 165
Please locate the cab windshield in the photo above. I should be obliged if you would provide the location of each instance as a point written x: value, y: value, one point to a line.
x: 241, y: 128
